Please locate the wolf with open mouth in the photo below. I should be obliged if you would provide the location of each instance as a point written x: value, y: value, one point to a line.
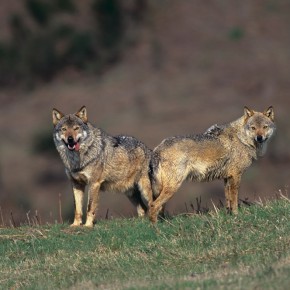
x: 102, y: 162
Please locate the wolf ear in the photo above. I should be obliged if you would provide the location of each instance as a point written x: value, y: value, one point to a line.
x: 82, y: 114
x: 247, y: 112
x: 56, y: 116
x: 269, y: 113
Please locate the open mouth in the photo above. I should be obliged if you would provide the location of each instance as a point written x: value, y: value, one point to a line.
x: 73, y: 146
x: 260, y: 140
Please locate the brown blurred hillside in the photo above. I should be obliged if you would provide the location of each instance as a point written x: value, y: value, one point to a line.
x: 192, y: 64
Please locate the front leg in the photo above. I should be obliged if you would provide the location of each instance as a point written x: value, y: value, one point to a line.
x: 78, y: 190
x: 93, y: 199
x: 232, y: 185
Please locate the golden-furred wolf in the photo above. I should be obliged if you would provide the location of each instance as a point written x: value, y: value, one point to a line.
x: 222, y: 152
x: 102, y: 162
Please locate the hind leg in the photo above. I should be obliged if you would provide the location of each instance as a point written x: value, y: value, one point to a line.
x: 135, y: 197
x: 162, y: 212
x: 158, y: 205
x: 145, y: 189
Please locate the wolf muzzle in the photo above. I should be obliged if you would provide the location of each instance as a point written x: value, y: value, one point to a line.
x: 72, y: 144
x: 260, y: 139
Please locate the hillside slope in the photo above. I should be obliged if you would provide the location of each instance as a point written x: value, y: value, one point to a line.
x: 213, y: 251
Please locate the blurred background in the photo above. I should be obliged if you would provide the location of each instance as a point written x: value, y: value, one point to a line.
x: 146, y: 68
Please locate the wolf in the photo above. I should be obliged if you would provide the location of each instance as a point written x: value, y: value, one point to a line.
x: 99, y: 161
x: 221, y: 152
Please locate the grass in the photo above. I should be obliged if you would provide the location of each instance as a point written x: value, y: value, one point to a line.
x: 212, y: 251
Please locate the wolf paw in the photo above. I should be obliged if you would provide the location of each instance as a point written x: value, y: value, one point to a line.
x: 89, y: 225
x: 78, y: 224
x: 153, y: 216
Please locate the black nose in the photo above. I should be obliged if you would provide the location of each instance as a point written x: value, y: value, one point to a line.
x: 259, y: 138
x: 70, y: 140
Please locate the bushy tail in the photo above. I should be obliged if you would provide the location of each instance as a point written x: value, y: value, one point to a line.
x: 153, y: 174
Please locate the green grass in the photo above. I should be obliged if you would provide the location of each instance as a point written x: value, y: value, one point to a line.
x: 213, y: 251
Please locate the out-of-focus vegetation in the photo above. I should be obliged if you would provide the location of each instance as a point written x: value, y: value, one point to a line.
x: 49, y: 39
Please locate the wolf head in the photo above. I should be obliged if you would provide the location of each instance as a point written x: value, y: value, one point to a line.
x: 259, y: 127
x: 70, y: 130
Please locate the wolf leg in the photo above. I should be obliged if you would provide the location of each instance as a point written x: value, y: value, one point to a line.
x: 158, y: 204
x: 78, y: 190
x: 93, y: 200
x: 232, y: 185
x: 134, y: 196
x: 141, y: 211
x: 227, y: 195
x: 146, y: 194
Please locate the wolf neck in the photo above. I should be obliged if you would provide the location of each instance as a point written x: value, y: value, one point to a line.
x: 258, y: 148
x: 261, y: 149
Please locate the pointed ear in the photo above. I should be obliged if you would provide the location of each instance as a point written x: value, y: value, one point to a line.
x: 56, y: 116
x: 269, y: 113
x: 247, y: 112
x: 82, y: 114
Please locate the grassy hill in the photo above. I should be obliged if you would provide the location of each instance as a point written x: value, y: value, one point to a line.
x: 211, y: 251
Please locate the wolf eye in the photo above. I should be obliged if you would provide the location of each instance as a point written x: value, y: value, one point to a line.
x: 253, y: 128
x: 265, y: 127
x: 63, y: 129
x: 76, y: 128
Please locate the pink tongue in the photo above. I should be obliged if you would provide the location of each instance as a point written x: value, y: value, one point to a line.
x: 77, y: 146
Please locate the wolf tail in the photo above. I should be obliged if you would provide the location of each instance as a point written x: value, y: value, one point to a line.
x: 153, y: 174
